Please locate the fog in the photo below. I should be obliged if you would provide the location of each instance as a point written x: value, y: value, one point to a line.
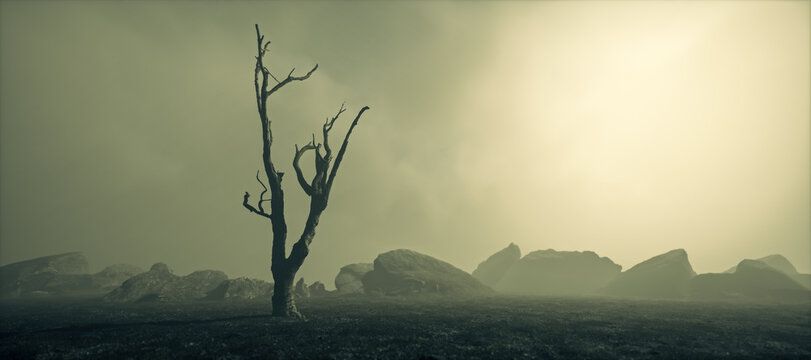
x: 128, y: 131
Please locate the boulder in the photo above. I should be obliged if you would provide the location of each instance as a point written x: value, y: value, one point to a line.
x: 194, y: 286
x: 318, y: 289
x: 780, y: 263
x: 88, y: 285
x: 114, y: 275
x: 350, y: 278
x: 160, y: 284
x: 30, y: 277
x: 753, y: 280
x: 665, y: 276
x: 803, y: 279
x: 145, y: 286
x: 60, y: 285
x: 241, y: 289
x: 301, y: 291
x: 550, y: 272
x: 776, y: 261
x: 493, y: 269
x: 404, y: 272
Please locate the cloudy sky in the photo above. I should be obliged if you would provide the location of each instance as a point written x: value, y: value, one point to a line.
x: 128, y: 131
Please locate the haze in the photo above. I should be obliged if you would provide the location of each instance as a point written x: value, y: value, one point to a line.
x: 129, y: 130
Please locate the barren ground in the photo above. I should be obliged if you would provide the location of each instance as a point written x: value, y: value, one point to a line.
x: 402, y: 328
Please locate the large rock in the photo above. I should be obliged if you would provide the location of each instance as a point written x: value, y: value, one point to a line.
x: 665, y: 276
x: 493, y: 269
x: 160, y: 284
x: 776, y: 261
x: 113, y: 276
x: 60, y: 285
x: 403, y: 272
x: 780, y: 263
x: 30, y: 277
x: 753, y: 280
x: 62, y: 275
x: 550, y: 272
x: 318, y: 289
x: 194, y: 286
x: 145, y: 286
x: 803, y: 279
x: 350, y: 278
x: 242, y: 289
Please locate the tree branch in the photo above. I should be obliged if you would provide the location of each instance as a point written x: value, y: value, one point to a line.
x: 289, y: 79
x: 308, y: 189
x: 274, y: 78
x: 341, y: 152
x: 251, y: 208
x: 262, y: 195
x: 327, y: 127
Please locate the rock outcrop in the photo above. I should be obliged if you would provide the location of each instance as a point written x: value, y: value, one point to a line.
x: 350, y: 278
x: 803, y: 279
x: 145, y: 286
x: 776, y: 261
x: 241, y: 289
x: 493, y: 269
x: 550, y: 272
x: 26, y: 278
x: 114, y: 275
x: 407, y: 272
x: 665, y: 276
x: 753, y: 280
x: 194, y: 286
x: 63, y: 275
x: 780, y: 263
x: 160, y: 284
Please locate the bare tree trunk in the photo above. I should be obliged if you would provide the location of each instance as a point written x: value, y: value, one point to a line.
x: 283, y: 301
x: 284, y: 268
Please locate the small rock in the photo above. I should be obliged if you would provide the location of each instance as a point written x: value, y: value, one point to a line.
x: 301, y: 291
x: 318, y: 289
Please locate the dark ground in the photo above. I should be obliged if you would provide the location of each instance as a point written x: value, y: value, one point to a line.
x: 399, y: 328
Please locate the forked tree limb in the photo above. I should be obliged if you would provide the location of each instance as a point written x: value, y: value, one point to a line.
x: 326, y: 129
x: 290, y: 78
x: 299, y: 175
x: 253, y: 209
x: 261, y: 195
x: 341, y: 152
x: 261, y: 74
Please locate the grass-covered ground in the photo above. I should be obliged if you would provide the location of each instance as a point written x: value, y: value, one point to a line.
x: 401, y: 328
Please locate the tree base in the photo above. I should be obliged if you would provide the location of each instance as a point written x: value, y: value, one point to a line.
x: 283, y: 301
x: 290, y: 313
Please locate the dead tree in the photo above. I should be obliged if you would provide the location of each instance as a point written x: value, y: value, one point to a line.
x: 284, y: 267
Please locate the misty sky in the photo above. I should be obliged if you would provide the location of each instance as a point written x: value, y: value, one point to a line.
x: 128, y: 131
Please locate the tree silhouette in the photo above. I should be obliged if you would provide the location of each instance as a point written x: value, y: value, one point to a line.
x: 284, y: 267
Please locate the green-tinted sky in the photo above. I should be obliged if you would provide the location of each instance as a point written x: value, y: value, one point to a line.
x: 129, y: 131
